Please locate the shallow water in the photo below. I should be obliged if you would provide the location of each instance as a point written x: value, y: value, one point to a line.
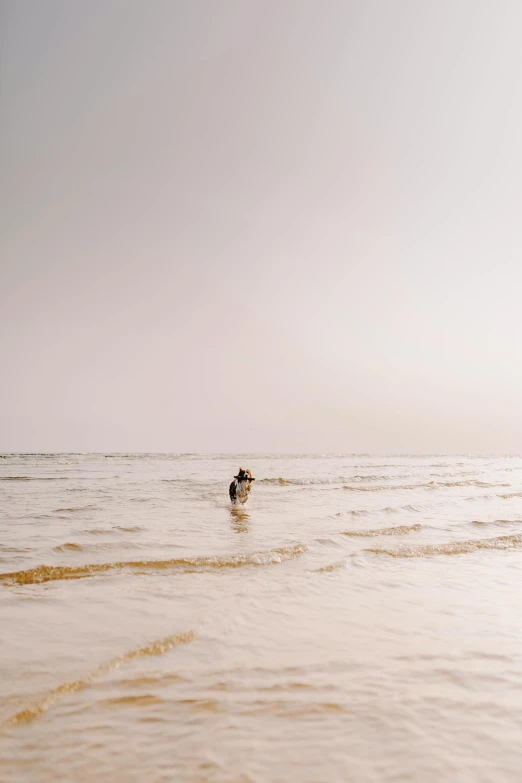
x: 358, y: 620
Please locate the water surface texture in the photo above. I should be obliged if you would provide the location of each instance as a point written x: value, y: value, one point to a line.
x: 358, y: 620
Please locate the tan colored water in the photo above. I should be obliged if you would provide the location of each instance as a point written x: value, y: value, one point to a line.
x: 360, y: 619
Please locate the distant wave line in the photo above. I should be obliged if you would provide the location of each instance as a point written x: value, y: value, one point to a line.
x: 426, y: 485
x: 34, y: 478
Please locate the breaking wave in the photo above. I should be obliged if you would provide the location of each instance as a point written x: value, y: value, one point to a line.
x: 453, y: 548
x: 46, y: 573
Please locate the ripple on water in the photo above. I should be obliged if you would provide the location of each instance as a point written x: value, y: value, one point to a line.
x: 158, y: 647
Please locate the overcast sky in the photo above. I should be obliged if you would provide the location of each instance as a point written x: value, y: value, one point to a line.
x: 270, y: 225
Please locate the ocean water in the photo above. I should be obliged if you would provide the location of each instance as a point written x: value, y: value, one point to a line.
x: 359, y: 619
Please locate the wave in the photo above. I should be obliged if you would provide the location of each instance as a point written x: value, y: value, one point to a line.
x: 312, y: 481
x: 329, y: 568
x: 300, y: 481
x: 453, y: 548
x: 291, y: 709
x: 510, y: 495
x: 459, y: 474
x: 417, y: 508
x: 68, y: 548
x: 468, y: 483
x: 372, y: 477
x: 481, y: 498
x: 325, y: 541
x: 282, y: 481
x: 426, y: 485
x: 383, y: 488
x: 158, y: 647
x: 46, y: 573
x: 33, y: 478
x: 479, y: 522
x: 98, y: 546
x: 97, y: 531
x: 74, y: 509
x: 400, y: 530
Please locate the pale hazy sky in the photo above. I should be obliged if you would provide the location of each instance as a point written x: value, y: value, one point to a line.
x: 271, y: 225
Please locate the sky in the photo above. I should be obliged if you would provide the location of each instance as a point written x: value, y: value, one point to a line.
x: 261, y: 226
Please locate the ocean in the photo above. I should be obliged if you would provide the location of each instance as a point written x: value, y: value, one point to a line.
x: 359, y: 619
